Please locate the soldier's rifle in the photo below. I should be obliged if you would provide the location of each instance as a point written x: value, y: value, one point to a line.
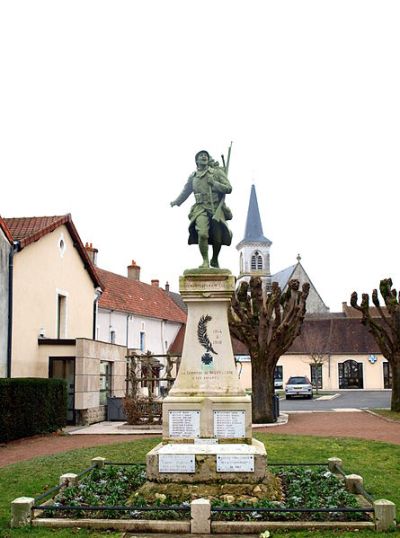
x: 217, y: 215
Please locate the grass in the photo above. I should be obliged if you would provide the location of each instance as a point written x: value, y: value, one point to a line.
x: 377, y: 462
x: 393, y: 415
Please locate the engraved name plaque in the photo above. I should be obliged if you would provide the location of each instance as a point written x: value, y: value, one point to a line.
x: 204, y: 441
x: 185, y: 424
x: 235, y: 464
x: 176, y: 463
x: 229, y: 424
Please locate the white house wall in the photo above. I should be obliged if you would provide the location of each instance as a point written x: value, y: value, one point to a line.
x: 159, y: 334
x: 4, y: 272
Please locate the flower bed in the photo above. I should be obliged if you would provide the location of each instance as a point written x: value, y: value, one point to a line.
x: 112, y: 492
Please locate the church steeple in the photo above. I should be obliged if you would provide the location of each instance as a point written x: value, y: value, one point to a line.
x: 254, y: 247
x: 254, y: 229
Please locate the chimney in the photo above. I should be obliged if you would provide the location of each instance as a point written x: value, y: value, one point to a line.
x: 155, y: 283
x: 134, y: 271
x: 167, y: 286
x: 91, y: 252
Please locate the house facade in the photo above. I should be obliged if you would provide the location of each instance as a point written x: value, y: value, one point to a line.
x: 335, y: 353
x: 6, y: 251
x: 55, y: 295
x: 142, y: 317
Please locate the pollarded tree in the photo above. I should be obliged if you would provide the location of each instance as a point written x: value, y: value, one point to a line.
x: 385, y: 329
x: 267, y: 323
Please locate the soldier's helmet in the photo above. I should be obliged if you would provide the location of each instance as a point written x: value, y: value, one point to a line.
x: 202, y: 151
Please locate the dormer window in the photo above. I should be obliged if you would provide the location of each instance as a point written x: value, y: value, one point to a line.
x: 256, y: 261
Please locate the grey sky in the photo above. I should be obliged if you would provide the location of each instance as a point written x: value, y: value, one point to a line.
x: 104, y: 104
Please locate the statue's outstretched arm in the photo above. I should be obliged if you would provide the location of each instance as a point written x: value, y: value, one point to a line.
x: 184, y: 195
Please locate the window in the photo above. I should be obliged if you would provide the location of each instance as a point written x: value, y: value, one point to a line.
x: 61, y: 316
x: 387, y: 376
x: 142, y: 341
x: 105, y: 381
x: 278, y: 375
x: 256, y: 261
x: 112, y: 337
x: 316, y: 375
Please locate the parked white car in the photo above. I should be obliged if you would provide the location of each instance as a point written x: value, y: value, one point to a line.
x: 298, y: 386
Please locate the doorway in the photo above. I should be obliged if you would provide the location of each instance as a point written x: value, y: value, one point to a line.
x: 351, y: 375
x: 64, y: 368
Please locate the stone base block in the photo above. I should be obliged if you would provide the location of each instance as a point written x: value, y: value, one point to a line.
x: 190, y: 463
x: 207, y: 406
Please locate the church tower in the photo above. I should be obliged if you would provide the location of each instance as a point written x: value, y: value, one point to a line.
x: 254, y: 247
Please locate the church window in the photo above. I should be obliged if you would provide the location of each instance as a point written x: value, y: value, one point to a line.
x: 256, y: 261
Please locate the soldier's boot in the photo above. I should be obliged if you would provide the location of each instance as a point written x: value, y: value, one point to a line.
x: 203, y: 246
x: 214, y: 259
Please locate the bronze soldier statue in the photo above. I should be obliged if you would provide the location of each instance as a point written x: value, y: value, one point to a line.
x: 209, y: 214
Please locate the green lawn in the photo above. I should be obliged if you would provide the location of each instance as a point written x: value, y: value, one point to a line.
x: 378, y: 463
x: 393, y: 415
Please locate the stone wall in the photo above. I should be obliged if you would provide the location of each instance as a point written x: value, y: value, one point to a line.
x: 84, y: 417
x: 89, y: 354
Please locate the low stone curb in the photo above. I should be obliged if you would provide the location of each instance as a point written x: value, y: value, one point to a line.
x: 387, y: 419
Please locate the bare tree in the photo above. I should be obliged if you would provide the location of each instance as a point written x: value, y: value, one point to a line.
x: 385, y: 329
x: 267, y: 323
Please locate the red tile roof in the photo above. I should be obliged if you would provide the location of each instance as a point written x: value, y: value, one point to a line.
x: 5, y: 229
x: 127, y: 295
x: 27, y: 230
x: 336, y: 335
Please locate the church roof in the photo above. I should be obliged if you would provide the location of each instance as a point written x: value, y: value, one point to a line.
x: 283, y: 277
x: 254, y: 231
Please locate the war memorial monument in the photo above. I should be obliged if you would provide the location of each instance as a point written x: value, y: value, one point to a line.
x: 207, y: 422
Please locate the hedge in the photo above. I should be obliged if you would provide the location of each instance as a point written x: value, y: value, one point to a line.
x: 31, y: 406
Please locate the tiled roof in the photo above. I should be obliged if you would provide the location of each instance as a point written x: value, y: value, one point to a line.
x: 351, y: 312
x: 127, y: 295
x: 27, y: 230
x: 177, y: 298
x: 339, y: 335
x: 283, y: 277
x: 6, y: 231
x: 336, y: 335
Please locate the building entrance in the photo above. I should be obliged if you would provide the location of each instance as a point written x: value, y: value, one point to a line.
x: 351, y: 375
x: 64, y: 368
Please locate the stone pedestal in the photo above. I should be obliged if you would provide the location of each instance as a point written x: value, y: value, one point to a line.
x: 207, y: 422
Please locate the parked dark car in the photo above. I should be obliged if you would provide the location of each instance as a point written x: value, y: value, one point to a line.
x: 298, y: 386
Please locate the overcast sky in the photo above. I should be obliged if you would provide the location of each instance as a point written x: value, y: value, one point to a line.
x: 104, y: 104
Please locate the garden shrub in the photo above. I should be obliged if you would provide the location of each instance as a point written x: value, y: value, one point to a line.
x: 31, y: 406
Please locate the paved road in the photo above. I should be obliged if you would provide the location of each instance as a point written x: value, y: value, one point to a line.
x: 357, y: 399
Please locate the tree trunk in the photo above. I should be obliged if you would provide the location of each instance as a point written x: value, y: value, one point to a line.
x: 262, y: 380
x: 395, y: 366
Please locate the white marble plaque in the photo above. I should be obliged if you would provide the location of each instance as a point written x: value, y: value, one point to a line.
x: 231, y: 463
x: 185, y: 424
x: 204, y: 441
x: 176, y: 463
x: 230, y: 424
